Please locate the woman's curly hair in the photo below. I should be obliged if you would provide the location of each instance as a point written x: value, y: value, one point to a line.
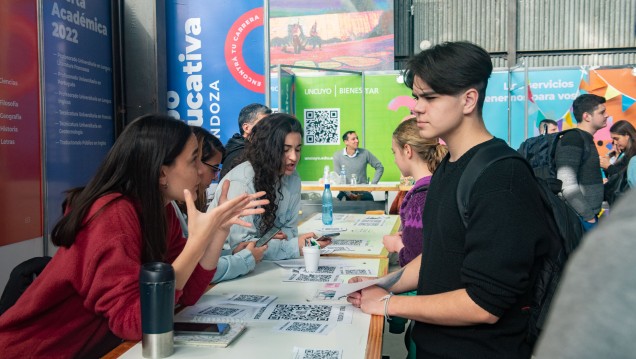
x: 265, y: 150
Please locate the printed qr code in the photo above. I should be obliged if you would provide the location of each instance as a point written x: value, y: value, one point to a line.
x: 370, y: 222
x: 304, y: 312
x: 248, y: 298
x: 321, y: 354
x: 322, y: 126
x: 355, y: 271
x: 303, y: 277
x: 348, y: 242
x: 303, y: 327
x: 219, y: 311
x: 326, y: 269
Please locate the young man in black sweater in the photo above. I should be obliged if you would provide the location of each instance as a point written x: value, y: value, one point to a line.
x: 473, y: 283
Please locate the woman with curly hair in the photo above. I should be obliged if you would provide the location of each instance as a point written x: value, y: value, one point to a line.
x: 270, y: 161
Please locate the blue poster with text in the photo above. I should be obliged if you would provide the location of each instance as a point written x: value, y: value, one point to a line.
x: 78, y: 95
x: 215, y: 61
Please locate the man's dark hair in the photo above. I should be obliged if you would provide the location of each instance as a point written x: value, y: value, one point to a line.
x: 545, y: 123
x: 585, y: 103
x: 346, y: 135
x: 450, y: 68
x: 250, y: 112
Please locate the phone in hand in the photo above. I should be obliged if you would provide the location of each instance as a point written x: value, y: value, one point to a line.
x: 267, y: 236
x: 328, y: 236
x: 201, y: 328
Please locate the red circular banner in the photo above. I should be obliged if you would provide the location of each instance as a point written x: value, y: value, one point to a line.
x: 234, y: 50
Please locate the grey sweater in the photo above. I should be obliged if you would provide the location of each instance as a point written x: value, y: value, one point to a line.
x: 582, y: 181
x: 358, y: 165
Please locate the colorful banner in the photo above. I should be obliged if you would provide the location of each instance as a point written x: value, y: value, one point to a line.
x: 332, y: 34
x: 78, y: 80
x: 215, y: 57
x: 20, y: 151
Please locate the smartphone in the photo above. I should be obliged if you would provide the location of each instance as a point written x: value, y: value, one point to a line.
x: 267, y: 236
x: 201, y: 328
x: 328, y: 235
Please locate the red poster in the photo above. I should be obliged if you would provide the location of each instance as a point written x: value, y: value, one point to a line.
x: 20, y: 154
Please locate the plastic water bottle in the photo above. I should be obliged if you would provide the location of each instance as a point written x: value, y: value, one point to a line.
x: 327, y: 205
x: 343, y: 175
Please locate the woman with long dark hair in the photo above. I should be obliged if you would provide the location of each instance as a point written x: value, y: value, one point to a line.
x: 87, y: 297
x: 623, y: 136
x: 271, y: 157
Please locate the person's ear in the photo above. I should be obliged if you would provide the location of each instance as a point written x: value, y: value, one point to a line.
x: 408, y: 151
x: 470, y: 98
x: 163, y: 177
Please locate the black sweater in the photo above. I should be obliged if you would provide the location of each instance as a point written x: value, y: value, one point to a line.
x: 493, y: 258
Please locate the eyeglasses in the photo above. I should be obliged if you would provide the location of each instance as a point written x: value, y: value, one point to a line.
x: 215, y: 168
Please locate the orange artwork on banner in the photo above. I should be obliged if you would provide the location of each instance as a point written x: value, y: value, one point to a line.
x: 618, y: 86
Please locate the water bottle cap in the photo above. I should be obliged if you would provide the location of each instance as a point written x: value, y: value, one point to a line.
x: 327, y: 185
x: 156, y: 272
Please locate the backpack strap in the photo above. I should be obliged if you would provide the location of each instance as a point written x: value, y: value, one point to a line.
x: 421, y: 189
x: 485, y: 156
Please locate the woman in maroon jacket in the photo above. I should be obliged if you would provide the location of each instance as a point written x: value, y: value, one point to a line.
x: 87, y: 298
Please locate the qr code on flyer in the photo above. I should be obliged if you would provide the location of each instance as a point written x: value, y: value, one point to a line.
x: 322, y: 126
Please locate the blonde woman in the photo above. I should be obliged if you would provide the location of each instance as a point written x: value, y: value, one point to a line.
x: 416, y: 157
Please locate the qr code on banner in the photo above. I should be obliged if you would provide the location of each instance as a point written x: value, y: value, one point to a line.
x: 321, y: 354
x: 322, y: 126
x: 304, y: 312
x: 220, y: 311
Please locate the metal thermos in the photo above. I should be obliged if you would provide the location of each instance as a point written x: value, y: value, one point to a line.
x: 156, y: 289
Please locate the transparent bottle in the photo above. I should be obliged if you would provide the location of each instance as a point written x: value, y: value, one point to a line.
x: 327, y: 205
x: 343, y: 175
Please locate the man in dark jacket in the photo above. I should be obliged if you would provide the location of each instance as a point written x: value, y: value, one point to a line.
x: 248, y: 118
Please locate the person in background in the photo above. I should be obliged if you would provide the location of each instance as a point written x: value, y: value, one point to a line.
x: 621, y: 175
x: 418, y: 157
x: 548, y: 126
x: 355, y: 160
x: 623, y: 136
x: 269, y: 165
x: 404, y: 180
x: 210, y: 155
x: 581, y: 178
x: 592, y: 315
x: 249, y: 116
x: 473, y: 282
x: 87, y: 298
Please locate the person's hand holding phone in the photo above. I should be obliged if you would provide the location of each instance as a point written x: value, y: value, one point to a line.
x: 257, y: 252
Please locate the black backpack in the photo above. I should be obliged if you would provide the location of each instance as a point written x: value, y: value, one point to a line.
x: 540, y: 151
x: 563, y: 221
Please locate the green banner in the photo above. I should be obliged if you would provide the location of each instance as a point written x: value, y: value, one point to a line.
x: 329, y: 106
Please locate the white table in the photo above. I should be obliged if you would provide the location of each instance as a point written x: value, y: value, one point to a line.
x: 369, y: 228
x: 360, y: 339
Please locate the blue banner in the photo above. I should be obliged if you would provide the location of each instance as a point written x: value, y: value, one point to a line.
x: 215, y: 61
x: 78, y: 94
